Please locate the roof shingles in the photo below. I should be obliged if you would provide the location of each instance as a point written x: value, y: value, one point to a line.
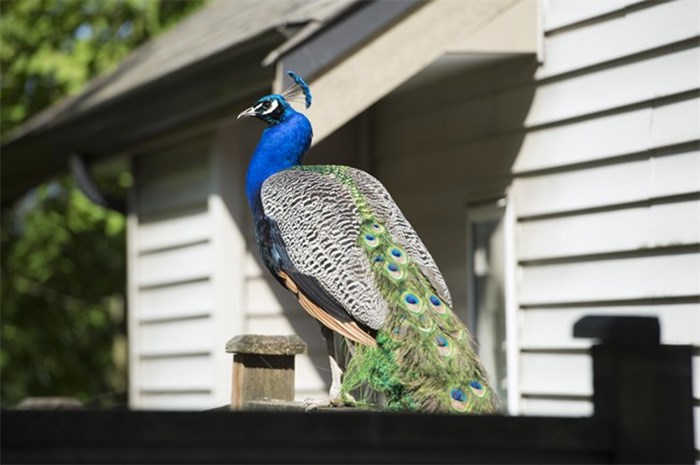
x: 219, y: 26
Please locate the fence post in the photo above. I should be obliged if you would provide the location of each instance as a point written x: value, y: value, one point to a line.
x: 263, y: 367
x: 644, y: 388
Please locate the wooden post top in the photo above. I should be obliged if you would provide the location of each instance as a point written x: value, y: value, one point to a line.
x: 266, y: 345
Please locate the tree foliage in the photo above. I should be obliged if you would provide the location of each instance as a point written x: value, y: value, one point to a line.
x: 50, y: 48
x: 63, y: 271
x: 63, y: 258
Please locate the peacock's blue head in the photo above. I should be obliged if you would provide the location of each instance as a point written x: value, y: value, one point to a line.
x: 285, y: 141
x: 274, y: 108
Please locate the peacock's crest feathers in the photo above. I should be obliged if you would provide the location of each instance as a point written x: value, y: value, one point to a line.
x: 291, y: 92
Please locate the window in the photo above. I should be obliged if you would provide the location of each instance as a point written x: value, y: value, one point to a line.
x: 488, y: 295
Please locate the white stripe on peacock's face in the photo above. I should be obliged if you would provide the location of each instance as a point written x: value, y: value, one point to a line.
x: 267, y: 107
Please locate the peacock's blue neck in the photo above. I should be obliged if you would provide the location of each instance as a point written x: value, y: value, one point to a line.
x: 281, y: 146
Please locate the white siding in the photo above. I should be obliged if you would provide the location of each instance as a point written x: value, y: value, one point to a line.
x: 645, y: 277
x: 560, y: 14
x: 620, y: 36
x: 183, y: 259
x: 172, y: 308
x: 625, y: 230
x: 598, y: 149
x: 608, y: 185
x: 606, y: 188
x: 552, y: 328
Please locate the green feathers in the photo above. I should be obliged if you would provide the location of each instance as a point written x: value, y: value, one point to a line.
x: 424, y: 359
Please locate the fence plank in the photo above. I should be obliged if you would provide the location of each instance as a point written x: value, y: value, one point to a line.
x: 270, y: 437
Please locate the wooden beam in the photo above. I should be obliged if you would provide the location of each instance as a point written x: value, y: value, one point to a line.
x: 384, y: 63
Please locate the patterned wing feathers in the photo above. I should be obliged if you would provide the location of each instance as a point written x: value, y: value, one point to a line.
x: 349, y: 329
x: 319, y: 222
x: 388, y: 213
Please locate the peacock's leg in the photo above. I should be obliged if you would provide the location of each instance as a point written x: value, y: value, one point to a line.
x: 334, y: 396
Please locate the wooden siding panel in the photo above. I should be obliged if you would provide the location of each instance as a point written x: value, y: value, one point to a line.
x: 635, y: 131
x: 696, y: 417
x: 659, y: 25
x: 677, y: 122
x: 176, y: 229
x: 177, y: 374
x: 612, y: 87
x: 455, y: 119
x: 185, y: 401
x: 696, y: 379
x: 559, y: 13
x: 188, y: 336
x: 630, y: 229
x: 601, y: 280
x: 174, y: 177
x: 184, y: 300
x: 556, y: 407
x: 264, y: 296
x: 584, y: 141
x: 183, y: 190
x: 171, y: 160
x: 172, y: 293
x: 678, y: 174
x: 455, y: 89
x: 480, y: 170
x: 253, y: 265
x: 632, y: 181
x: 552, y: 328
x: 556, y: 374
x: 174, y: 265
x: 312, y: 376
x: 299, y: 323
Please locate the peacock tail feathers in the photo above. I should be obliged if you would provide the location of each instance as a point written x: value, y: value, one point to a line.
x: 425, y: 358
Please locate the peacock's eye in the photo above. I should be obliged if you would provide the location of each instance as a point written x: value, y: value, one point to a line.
x: 265, y: 105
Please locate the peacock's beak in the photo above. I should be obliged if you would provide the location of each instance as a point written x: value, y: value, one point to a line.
x: 247, y: 112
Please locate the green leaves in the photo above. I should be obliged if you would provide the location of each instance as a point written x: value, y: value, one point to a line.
x: 63, y: 279
x: 49, y: 49
x: 62, y: 258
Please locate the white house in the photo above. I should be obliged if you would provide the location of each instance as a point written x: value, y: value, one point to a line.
x: 548, y: 153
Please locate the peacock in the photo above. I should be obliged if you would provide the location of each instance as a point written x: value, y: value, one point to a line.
x: 335, y: 238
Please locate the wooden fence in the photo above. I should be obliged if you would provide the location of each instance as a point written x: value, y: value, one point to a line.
x: 643, y: 414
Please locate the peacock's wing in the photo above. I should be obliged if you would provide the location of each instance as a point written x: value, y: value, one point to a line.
x: 316, y: 222
x: 347, y: 251
x: 382, y: 205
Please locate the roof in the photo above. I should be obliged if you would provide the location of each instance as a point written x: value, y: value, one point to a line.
x: 218, y: 27
x: 201, y: 71
x: 222, y: 29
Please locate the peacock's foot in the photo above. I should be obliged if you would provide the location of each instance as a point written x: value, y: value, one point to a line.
x: 311, y: 404
x: 338, y: 400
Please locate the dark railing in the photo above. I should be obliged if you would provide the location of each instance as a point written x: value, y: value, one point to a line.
x: 642, y: 400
